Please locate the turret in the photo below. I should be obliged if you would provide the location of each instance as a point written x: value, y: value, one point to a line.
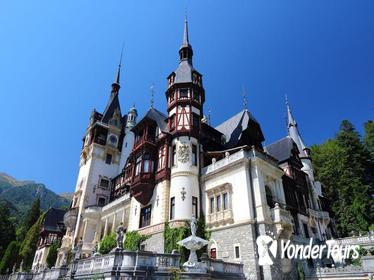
x: 185, y: 98
x: 304, y: 152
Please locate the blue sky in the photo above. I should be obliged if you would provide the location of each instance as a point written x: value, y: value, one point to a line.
x: 58, y: 60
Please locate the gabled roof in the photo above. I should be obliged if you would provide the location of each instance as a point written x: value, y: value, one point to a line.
x: 234, y: 127
x: 53, y: 217
x: 282, y: 149
x: 157, y: 116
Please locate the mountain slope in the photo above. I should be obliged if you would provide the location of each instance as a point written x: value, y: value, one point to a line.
x: 19, y: 195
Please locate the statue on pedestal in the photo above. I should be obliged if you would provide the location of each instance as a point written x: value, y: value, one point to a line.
x: 78, y: 250
x: 120, y: 232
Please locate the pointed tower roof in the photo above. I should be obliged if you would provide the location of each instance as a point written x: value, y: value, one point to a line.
x: 113, y: 104
x: 294, y: 133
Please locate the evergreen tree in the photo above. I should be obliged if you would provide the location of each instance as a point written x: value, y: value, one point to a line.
x: 10, y: 257
x: 342, y: 164
x: 7, y: 229
x: 29, y: 220
x: 29, y: 244
x: 52, y: 254
x: 369, y: 137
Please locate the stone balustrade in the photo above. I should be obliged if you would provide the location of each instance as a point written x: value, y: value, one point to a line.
x: 219, y: 267
x: 121, y: 264
x: 218, y: 218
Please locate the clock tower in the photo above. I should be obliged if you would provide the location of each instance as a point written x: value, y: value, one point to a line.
x: 185, y: 98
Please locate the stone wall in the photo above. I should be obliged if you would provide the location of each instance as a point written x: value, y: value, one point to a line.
x: 155, y: 243
x: 242, y: 235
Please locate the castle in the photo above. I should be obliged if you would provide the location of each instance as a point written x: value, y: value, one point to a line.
x: 168, y: 168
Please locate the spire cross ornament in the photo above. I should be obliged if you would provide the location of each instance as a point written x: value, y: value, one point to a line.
x: 152, y: 94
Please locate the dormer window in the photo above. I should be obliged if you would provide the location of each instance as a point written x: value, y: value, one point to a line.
x: 183, y: 93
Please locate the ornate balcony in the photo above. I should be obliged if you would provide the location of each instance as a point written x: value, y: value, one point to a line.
x: 220, y: 218
x: 142, y: 187
x: 70, y: 218
x: 282, y: 220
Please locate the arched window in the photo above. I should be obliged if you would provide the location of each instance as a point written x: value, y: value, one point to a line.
x: 269, y: 197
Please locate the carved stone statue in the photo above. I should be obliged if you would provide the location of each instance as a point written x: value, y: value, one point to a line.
x: 120, y: 232
x: 14, y: 269
x: 21, y: 266
x: 78, y: 250
x: 193, y: 226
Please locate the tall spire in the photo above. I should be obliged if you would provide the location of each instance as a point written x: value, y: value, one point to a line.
x: 185, y: 51
x: 185, y: 33
x: 116, y: 84
x: 293, y: 132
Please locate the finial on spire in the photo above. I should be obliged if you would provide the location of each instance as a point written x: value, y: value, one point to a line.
x: 185, y: 33
x: 245, y: 100
x: 119, y: 68
x: 152, y: 88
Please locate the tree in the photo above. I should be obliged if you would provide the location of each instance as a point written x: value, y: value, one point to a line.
x: 29, y: 244
x: 342, y: 165
x: 30, y: 219
x: 369, y: 137
x: 7, y: 229
x: 10, y: 257
x: 52, y: 254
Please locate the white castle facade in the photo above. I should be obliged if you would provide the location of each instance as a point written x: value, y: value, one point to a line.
x: 167, y: 168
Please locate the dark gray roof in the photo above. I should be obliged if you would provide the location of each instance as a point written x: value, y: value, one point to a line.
x: 234, y: 127
x: 281, y: 149
x: 110, y: 108
x: 183, y: 74
x: 53, y: 217
x: 158, y: 117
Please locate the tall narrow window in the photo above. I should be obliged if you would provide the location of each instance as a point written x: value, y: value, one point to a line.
x: 147, y: 163
x: 194, y: 206
x: 237, y: 252
x: 174, y: 155
x: 218, y: 203
x: 211, y: 208
x: 225, y: 201
x: 194, y: 155
x: 172, y: 208
x: 138, y: 165
x: 145, y: 216
x: 108, y: 159
x: 172, y: 122
x: 161, y: 158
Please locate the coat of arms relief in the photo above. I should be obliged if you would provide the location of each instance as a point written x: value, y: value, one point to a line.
x: 183, y: 153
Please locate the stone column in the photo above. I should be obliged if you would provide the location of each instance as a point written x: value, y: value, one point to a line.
x: 106, y: 227
x: 114, y: 222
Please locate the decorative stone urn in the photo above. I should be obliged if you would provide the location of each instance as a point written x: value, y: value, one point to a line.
x: 193, y: 243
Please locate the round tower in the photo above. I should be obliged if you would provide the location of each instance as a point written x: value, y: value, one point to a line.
x: 185, y: 98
